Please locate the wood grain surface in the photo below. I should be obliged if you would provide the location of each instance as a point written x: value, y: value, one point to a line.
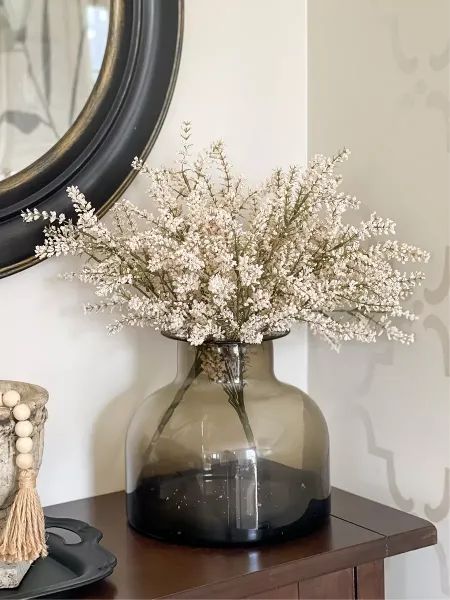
x: 359, y: 532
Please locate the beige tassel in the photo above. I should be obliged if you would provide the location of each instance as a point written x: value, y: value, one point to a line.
x: 24, y: 535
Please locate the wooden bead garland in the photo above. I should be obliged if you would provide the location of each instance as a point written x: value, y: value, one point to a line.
x: 24, y: 535
x: 11, y: 398
x: 23, y: 428
x: 21, y: 412
x: 24, y: 445
x: 24, y: 461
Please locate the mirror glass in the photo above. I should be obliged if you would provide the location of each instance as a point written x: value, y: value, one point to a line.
x: 51, y: 52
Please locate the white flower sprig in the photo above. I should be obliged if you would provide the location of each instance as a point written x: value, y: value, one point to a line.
x: 218, y: 260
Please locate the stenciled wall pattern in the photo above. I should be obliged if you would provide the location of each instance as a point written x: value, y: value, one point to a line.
x: 379, y: 78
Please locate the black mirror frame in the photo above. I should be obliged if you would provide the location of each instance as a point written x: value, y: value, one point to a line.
x: 121, y: 119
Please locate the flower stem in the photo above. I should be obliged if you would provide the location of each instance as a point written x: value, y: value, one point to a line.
x: 243, y: 418
x: 236, y: 397
x: 190, y: 378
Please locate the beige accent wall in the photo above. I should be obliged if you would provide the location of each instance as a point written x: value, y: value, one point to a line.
x: 378, y: 82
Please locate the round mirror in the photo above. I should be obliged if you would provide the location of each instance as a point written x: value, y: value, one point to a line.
x: 51, y: 52
x: 84, y: 88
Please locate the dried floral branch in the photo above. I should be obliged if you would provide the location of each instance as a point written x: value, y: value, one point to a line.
x: 218, y: 260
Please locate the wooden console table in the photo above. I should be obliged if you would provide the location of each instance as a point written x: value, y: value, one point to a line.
x: 342, y: 560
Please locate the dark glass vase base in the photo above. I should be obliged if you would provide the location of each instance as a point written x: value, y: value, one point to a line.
x: 226, y: 507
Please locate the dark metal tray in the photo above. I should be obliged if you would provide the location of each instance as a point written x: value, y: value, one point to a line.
x: 74, y: 559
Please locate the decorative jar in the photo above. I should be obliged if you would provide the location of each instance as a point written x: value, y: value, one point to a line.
x: 226, y: 453
x: 35, y: 397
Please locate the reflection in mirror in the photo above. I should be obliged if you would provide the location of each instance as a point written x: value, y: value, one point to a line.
x: 51, y: 52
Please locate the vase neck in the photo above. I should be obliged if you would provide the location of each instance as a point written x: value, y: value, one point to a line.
x: 222, y: 361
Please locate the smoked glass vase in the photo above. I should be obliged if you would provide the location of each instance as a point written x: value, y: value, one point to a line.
x: 227, y: 454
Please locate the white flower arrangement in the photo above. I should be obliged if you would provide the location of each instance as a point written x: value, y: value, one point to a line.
x: 218, y: 260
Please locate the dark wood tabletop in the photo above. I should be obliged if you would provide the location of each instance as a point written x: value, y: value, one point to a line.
x: 359, y: 532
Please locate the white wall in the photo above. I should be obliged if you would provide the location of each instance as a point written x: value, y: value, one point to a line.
x: 242, y: 77
x: 379, y: 83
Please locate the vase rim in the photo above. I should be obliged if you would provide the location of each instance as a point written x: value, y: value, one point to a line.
x: 213, y: 342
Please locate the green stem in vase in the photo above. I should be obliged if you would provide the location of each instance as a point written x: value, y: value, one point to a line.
x: 190, y: 378
x: 243, y: 418
x: 235, y: 395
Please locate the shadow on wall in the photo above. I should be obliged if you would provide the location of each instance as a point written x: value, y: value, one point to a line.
x: 97, y: 384
x: 154, y: 366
